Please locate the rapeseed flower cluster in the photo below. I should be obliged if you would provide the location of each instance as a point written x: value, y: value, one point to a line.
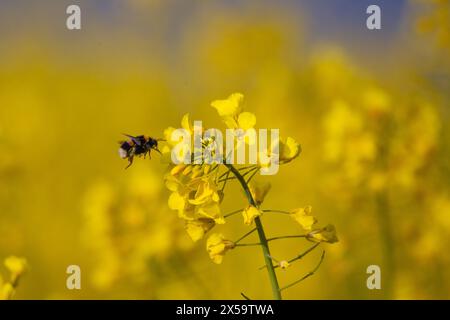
x: 198, y: 189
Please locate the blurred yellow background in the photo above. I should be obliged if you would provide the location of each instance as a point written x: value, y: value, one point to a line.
x: 370, y: 109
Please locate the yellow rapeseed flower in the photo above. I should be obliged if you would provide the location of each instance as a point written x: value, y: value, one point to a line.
x: 284, y: 264
x: 303, y: 217
x: 229, y: 107
x: 210, y: 210
x: 206, y: 191
x: 197, y: 229
x: 230, y: 110
x: 250, y: 213
x: 186, y: 123
x: 326, y: 234
x: 217, y: 246
x: 177, y: 202
x: 177, y: 169
x: 6, y: 291
x: 289, y: 149
x: 246, y: 120
x: 259, y: 190
x: 197, y: 201
x: 17, y: 266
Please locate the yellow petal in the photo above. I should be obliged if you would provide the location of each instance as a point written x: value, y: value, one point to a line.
x: 249, y: 214
x: 203, y: 194
x: 217, y: 246
x: 168, y: 135
x: 177, y: 169
x: 187, y: 170
x: 176, y: 201
x: 326, y: 234
x: 196, y: 171
x: 206, y: 169
x: 6, y: 291
x: 186, y: 124
x: 172, y: 182
x: 229, y: 107
x: 303, y: 217
x: 246, y: 120
x: 289, y: 150
x: 259, y: 190
x: 16, y: 265
x: 197, y: 229
x: 211, y: 210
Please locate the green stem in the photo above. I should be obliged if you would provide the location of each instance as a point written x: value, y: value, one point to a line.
x: 245, y: 297
x: 309, y: 274
x: 232, y: 213
x: 287, y: 237
x: 262, y: 236
x: 244, y: 236
x: 300, y: 256
x: 255, y: 171
x: 276, y: 211
x: 247, y: 244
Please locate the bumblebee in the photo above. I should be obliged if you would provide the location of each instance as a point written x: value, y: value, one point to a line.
x: 137, y: 146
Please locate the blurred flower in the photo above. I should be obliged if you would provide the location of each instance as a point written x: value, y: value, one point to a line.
x: 6, y: 291
x: 376, y: 101
x: 436, y: 21
x: 17, y: 267
x: 130, y: 233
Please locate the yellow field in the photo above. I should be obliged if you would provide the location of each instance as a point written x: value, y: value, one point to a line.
x: 371, y: 114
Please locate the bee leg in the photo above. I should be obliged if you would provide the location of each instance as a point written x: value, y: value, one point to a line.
x: 149, y: 155
x: 130, y: 162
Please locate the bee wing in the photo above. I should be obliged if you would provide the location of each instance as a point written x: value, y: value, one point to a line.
x: 134, y: 139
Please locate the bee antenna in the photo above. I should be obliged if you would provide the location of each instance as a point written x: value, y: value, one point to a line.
x: 156, y: 149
